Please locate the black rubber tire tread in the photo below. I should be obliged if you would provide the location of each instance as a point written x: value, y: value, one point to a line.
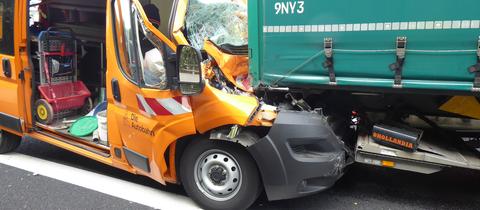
x: 251, y: 184
x: 9, y: 142
x: 49, y: 108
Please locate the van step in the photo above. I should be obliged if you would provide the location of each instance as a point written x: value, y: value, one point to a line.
x: 429, y: 158
x: 103, y: 153
x: 56, y: 128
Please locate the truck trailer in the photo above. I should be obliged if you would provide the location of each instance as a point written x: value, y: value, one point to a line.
x: 399, y: 79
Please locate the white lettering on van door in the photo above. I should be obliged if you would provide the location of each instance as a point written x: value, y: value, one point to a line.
x: 289, y: 8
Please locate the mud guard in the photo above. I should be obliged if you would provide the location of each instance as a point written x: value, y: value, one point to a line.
x: 300, y: 155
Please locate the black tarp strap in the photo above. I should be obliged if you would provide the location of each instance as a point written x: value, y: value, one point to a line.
x: 397, y: 67
x: 329, y: 64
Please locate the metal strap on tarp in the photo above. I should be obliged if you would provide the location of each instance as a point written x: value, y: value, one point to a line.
x: 475, y: 69
x: 328, y: 64
x: 397, y: 67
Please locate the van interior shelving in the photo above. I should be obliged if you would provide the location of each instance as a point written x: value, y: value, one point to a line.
x: 85, y: 20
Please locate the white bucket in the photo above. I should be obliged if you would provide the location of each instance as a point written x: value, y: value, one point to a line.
x: 102, y: 127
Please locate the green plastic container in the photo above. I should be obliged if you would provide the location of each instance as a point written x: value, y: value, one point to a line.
x: 84, y: 126
x: 286, y: 41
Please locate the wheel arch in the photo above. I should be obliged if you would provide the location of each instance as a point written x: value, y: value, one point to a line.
x: 247, y: 137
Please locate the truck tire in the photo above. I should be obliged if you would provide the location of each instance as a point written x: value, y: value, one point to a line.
x: 219, y: 175
x: 8, y: 142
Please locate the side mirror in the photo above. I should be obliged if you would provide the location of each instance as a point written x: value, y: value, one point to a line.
x: 189, y: 70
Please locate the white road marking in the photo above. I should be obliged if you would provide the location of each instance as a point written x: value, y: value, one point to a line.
x: 141, y: 194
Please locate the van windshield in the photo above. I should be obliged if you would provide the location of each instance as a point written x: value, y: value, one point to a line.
x: 221, y: 21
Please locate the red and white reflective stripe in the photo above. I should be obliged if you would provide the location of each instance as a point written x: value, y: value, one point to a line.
x: 164, y: 106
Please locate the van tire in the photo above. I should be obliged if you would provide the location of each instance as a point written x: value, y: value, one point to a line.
x: 43, y: 111
x: 200, y: 154
x: 8, y: 142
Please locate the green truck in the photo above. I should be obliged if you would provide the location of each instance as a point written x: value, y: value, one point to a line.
x: 430, y: 45
x: 397, y: 80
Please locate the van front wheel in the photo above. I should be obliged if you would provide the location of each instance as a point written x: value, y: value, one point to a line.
x: 8, y: 142
x: 219, y: 175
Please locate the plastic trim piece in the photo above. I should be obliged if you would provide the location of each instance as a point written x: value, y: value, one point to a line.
x: 304, y: 156
x: 137, y: 159
x: 10, y: 122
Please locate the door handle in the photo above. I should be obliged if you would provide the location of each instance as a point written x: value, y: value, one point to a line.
x: 7, y: 67
x: 116, y: 90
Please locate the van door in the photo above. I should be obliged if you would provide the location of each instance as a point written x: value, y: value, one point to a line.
x: 177, y: 22
x: 145, y: 115
x: 10, y: 108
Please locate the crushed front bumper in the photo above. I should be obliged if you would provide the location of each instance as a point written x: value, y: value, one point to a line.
x: 300, y: 155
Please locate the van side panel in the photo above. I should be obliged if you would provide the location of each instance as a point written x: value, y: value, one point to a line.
x: 10, y: 106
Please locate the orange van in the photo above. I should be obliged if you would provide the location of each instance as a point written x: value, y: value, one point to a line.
x: 114, y: 82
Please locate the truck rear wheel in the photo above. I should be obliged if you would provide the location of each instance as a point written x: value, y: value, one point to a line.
x: 219, y: 175
x: 8, y: 142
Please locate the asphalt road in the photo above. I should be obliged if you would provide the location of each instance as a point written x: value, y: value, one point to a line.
x: 363, y: 187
